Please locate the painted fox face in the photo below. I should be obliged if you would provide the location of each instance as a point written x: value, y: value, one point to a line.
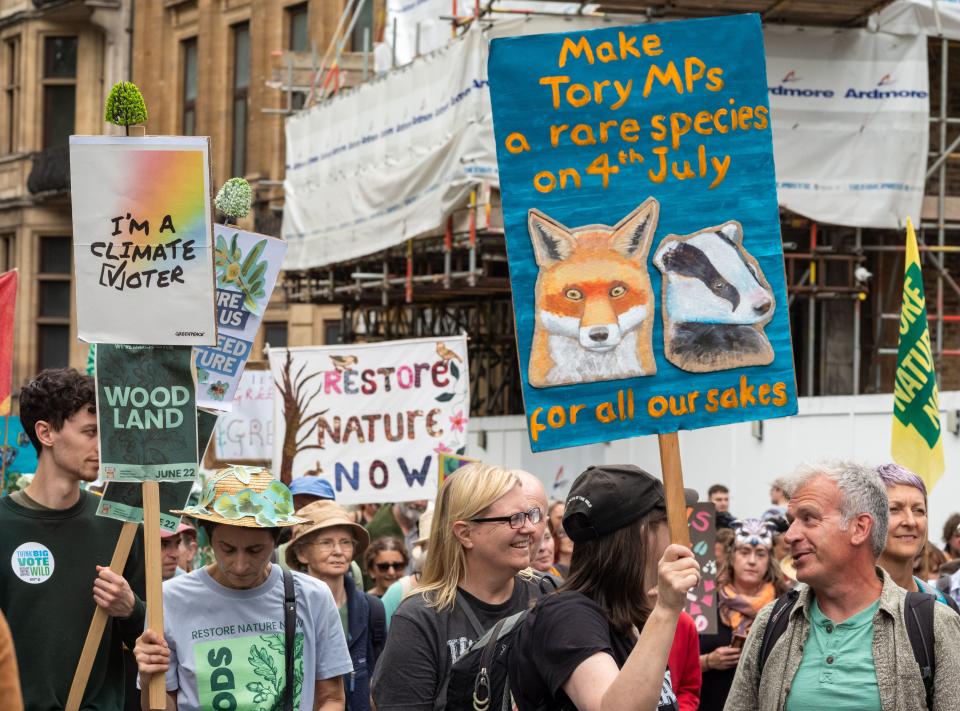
x: 593, y: 285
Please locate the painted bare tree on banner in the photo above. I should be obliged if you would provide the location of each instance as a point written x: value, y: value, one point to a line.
x: 296, y: 403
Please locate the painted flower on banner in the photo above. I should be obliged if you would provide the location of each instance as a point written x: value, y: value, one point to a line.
x: 217, y: 390
x: 457, y: 421
x: 442, y: 449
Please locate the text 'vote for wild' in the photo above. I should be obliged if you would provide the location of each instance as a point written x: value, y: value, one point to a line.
x: 642, y: 226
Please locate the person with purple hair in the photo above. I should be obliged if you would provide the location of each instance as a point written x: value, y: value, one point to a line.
x: 907, y: 530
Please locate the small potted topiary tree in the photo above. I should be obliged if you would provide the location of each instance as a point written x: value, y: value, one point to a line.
x: 125, y: 106
x: 234, y: 199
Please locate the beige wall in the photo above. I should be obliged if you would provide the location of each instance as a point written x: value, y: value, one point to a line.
x: 29, y: 217
x: 159, y: 27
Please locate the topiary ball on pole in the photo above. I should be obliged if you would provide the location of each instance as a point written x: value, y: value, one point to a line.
x: 234, y: 199
x: 125, y: 106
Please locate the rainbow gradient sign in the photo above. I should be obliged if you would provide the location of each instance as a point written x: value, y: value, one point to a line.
x: 142, y: 240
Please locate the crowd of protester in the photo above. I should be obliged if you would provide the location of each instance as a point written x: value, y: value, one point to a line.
x: 488, y: 598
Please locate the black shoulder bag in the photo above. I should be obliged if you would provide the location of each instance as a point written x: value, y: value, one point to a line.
x: 290, y: 634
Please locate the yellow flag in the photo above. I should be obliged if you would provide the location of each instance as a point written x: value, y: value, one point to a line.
x: 916, y: 443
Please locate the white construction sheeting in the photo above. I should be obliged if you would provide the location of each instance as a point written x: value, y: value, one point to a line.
x: 936, y: 18
x: 850, y: 115
x: 420, y: 24
x: 390, y: 159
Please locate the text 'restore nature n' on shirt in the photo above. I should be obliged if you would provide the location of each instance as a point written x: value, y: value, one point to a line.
x: 227, y: 646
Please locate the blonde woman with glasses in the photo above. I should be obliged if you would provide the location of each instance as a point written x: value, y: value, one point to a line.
x: 480, y: 540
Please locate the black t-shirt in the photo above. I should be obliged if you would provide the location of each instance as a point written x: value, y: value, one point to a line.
x: 716, y: 682
x: 48, y: 562
x: 423, y: 644
x: 560, y: 633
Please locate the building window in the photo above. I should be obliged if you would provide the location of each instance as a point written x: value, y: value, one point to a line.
x: 59, y: 89
x: 332, y: 332
x: 8, y: 242
x: 11, y: 93
x: 275, y: 333
x: 241, y: 85
x: 364, y: 22
x: 297, y: 29
x: 188, y: 119
x: 53, y: 302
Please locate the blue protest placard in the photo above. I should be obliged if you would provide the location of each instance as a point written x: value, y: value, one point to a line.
x: 642, y: 229
x: 17, y: 452
x: 247, y: 268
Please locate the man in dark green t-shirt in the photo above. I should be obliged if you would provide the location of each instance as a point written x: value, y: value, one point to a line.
x: 54, y: 554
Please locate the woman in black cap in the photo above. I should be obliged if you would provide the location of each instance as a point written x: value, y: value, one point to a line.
x: 602, y: 641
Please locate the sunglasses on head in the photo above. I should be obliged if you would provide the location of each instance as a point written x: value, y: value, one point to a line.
x: 384, y: 567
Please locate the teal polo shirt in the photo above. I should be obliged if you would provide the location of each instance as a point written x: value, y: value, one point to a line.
x: 837, y: 667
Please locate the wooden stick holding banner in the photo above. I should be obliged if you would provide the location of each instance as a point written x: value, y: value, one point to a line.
x: 99, y: 622
x: 673, y: 488
x: 151, y: 543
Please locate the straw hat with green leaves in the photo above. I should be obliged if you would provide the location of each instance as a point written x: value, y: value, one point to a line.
x: 245, y: 496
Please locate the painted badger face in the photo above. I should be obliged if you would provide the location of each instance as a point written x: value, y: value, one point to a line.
x: 710, y: 278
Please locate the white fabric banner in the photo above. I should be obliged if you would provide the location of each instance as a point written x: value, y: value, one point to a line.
x: 850, y: 123
x: 937, y: 18
x: 372, y: 418
x: 390, y: 159
x: 245, y: 433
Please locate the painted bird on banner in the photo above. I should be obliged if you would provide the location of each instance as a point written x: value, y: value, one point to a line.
x: 916, y: 442
x: 8, y: 302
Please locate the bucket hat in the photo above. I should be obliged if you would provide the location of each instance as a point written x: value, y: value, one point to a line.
x: 245, y: 496
x: 320, y: 515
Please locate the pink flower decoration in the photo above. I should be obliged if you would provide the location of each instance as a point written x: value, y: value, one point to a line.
x: 458, y: 421
x: 442, y: 449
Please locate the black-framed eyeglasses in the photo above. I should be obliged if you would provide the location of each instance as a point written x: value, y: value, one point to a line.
x: 516, y: 520
x: 384, y: 567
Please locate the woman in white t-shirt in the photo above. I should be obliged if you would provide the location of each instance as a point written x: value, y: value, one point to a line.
x: 223, y: 643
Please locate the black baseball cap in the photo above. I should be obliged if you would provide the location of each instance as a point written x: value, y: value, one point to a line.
x: 606, y: 498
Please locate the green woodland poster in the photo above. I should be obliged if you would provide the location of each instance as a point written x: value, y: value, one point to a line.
x: 146, y: 407
x: 123, y: 500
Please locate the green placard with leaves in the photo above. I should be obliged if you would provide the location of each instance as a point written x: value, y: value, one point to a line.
x: 146, y: 407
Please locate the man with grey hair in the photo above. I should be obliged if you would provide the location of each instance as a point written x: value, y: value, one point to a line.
x: 845, y: 640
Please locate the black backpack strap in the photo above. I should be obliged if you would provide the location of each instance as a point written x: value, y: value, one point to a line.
x: 481, y: 685
x: 918, y: 616
x: 776, y: 626
x: 471, y: 615
x: 547, y: 583
x: 378, y: 623
x: 289, y: 633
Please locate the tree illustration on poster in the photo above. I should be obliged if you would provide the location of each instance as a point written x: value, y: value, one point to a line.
x: 296, y: 403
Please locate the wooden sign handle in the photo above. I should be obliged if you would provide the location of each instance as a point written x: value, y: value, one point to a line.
x: 673, y: 488
x: 99, y: 622
x: 151, y: 542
